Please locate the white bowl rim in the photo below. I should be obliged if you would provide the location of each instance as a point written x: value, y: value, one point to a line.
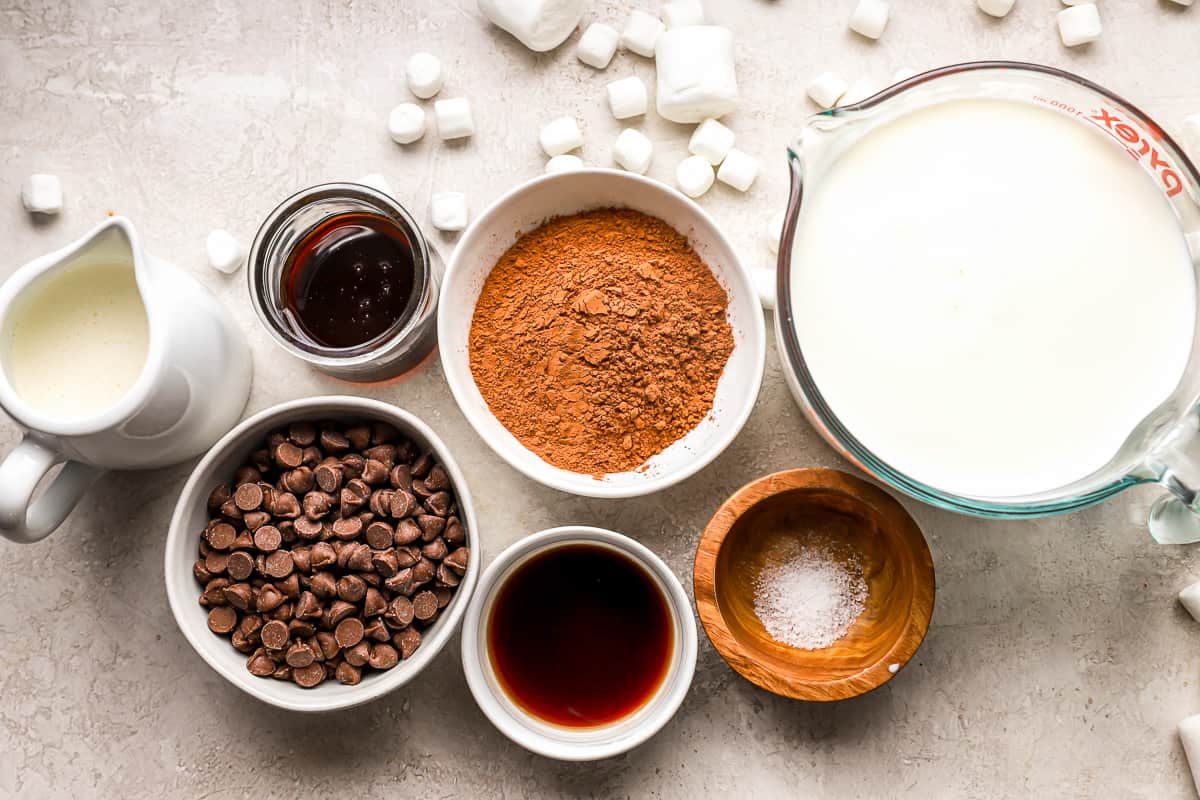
x: 312, y: 700
x: 756, y: 338
x: 681, y: 614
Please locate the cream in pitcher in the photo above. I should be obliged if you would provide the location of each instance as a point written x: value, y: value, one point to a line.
x: 110, y: 359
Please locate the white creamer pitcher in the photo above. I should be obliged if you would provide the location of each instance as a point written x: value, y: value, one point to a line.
x: 191, y: 389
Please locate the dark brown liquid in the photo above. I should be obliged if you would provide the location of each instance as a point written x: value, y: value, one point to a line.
x: 350, y: 279
x: 580, y: 635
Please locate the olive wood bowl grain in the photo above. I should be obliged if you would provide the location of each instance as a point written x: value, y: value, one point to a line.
x: 745, y: 534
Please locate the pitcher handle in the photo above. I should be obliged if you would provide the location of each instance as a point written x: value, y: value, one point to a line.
x: 23, y: 519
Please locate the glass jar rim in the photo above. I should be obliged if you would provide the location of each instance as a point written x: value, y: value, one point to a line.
x: 266, y: 242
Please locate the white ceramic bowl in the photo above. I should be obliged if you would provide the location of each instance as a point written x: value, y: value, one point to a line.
x: 525, y: 208
x: 191, y: 515
x: 554, y: 741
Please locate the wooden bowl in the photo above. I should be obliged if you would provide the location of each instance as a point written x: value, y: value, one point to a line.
x: 746, y: 534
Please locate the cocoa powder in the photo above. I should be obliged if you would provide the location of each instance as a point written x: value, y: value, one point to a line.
x: 598, y: 340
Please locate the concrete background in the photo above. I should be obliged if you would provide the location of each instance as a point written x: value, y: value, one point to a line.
x: 1058, y: 663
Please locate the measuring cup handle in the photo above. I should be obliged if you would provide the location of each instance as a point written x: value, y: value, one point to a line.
x: 23, y: 519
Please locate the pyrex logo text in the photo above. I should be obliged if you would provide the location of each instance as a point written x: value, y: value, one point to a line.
x: 1139, y: 147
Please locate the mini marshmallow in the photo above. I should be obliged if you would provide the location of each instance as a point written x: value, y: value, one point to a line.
x: 1189, y: 598
x: 696, y: 75
x: 406, y: 123
x: 454, y: 118
x: 42, y: 194
x: 764, y: 284
x: 224, y: 251
x: 712, y: 140
x: 1191, y: 137
x: 598, y: 45
x: 563, y: 163
x: 627, y: 97
x: 423, y: 71
x: 448, y: 211
x: 1079, y: 25
x: 738, y: 170
x: 377, y: 182
x: 997, y: 8
x: 633, y: 151
x: 560, y: 136
x: 694, y: 175
x: 869, y: 19
x: 860, y: 90
x: 826, y: 89
x: 641, y: 33
x: 774, y: 230
x: 903, y: 74
x: 1189, y: 737
x: 540, y: 25
x: 682, y: 13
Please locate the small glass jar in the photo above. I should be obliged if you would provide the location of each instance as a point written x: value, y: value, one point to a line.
x: 394, y: 351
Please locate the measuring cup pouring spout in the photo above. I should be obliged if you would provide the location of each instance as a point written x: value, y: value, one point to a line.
x: 1165, y: 447
x: 188, y: 366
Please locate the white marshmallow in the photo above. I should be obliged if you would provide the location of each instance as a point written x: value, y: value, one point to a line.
x: 903, y: 74
x: 1079, y: 25
x: 696, y: 74
x: 712, y: 140
x: 633, y: 151
x: 224, y: 252
x: 774, y: 230
x: 448, y: 211
x: 42, y: 194
x: 764, y: 283
x: 641, y: 33
x: 860, y: 90
x: 423, y: 71
x: 627, y: 97
x: 738, y: 170
x: 869, y: 19
x: 454, y: 118
x: 540, y: 25
x: 1189, y: 598
x: 1189, y: 737
x: 598, y: 45
x: 406, y: 123
x: 1191, y: 137
x: 681, y: 13
x: 560, y: 136
x: 997, y: 8
x: 826, y: 89
x: 563, y: 163
x: 377, y: 182
x: 694, y: 175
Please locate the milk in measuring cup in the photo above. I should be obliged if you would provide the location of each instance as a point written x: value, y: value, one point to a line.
x: 991, y: 295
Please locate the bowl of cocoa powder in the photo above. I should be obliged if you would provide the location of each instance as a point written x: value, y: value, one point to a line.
x: 600, y: 333
x: 323, y: 552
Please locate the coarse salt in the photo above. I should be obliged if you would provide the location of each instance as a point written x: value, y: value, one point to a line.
x: 809, y: 598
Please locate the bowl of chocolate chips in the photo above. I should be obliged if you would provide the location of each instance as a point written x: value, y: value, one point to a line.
x: 322, y: 553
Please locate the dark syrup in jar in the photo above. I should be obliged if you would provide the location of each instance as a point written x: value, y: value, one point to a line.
x: 350, y: 280
x: 580, y: 636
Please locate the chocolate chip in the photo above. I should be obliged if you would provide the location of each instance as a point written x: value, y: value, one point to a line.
x: 200, y: 572
x: 302, y: 434
x: 310, y: 676
x: 379, y: 535
x: 424, y: 605
x: 457, y: 560
x: 375, y: 629
x: 439, y: 504
x: 407, y: 532
x: 268, y: 538
x: 385, y: 562
x: 400, y: 477
x: 307, y: 529
x: 220, y: 536
x: 358, y: 655
x: 420, y: 468
x: 323, y: 585
x: 253, y: 520
x: 282, y: 612
x: 216, y: 562
x: 298, y: 481
x: 222, y: 619
x: 374, y: 472
x: 301, y: 628
x: 219, y: 495
x: 347, y: 528
x: 354, y: 496
x: 455, y: 533
x: 399, y: 612
x: 423, y: 571
x: 247, y: 474
x: 338, y: 611
x: 383, y: 433
x: 279, y: 564
x: 435, y: 550
x: 328, y: 644
x: 381, y: 502
x: 230, y: 511
x: 333, y: 442
x: 383, y: 656
x: 298, y: 655
x: 286, y: 505
x: 323, y: 555
x: 317, y: 503
x: 241, y: 564
x: 274, y: 635
x: 348, y: 674
x: 431, y: 526
x: 283, y: 673
x: 403, y: 504
x: 444, y: 595
x: 248, y: 496
x: 351, y: 588
x: 260, y: 664
x: 288, y: 456
x: 290, y: 586
x: 214, y: 592
x: 445, y: 577
x: 349, y: 632
x: 437, y: 480
x: 312, y: 456
x: 407, y: 641
x: 359, y: 437
x: 269, y: 598
x: 360, y: 559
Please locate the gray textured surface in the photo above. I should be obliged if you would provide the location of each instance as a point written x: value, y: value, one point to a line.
x: 1058, y: 662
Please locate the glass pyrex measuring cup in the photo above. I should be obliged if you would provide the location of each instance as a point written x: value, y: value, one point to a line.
x: 1165, y: 446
